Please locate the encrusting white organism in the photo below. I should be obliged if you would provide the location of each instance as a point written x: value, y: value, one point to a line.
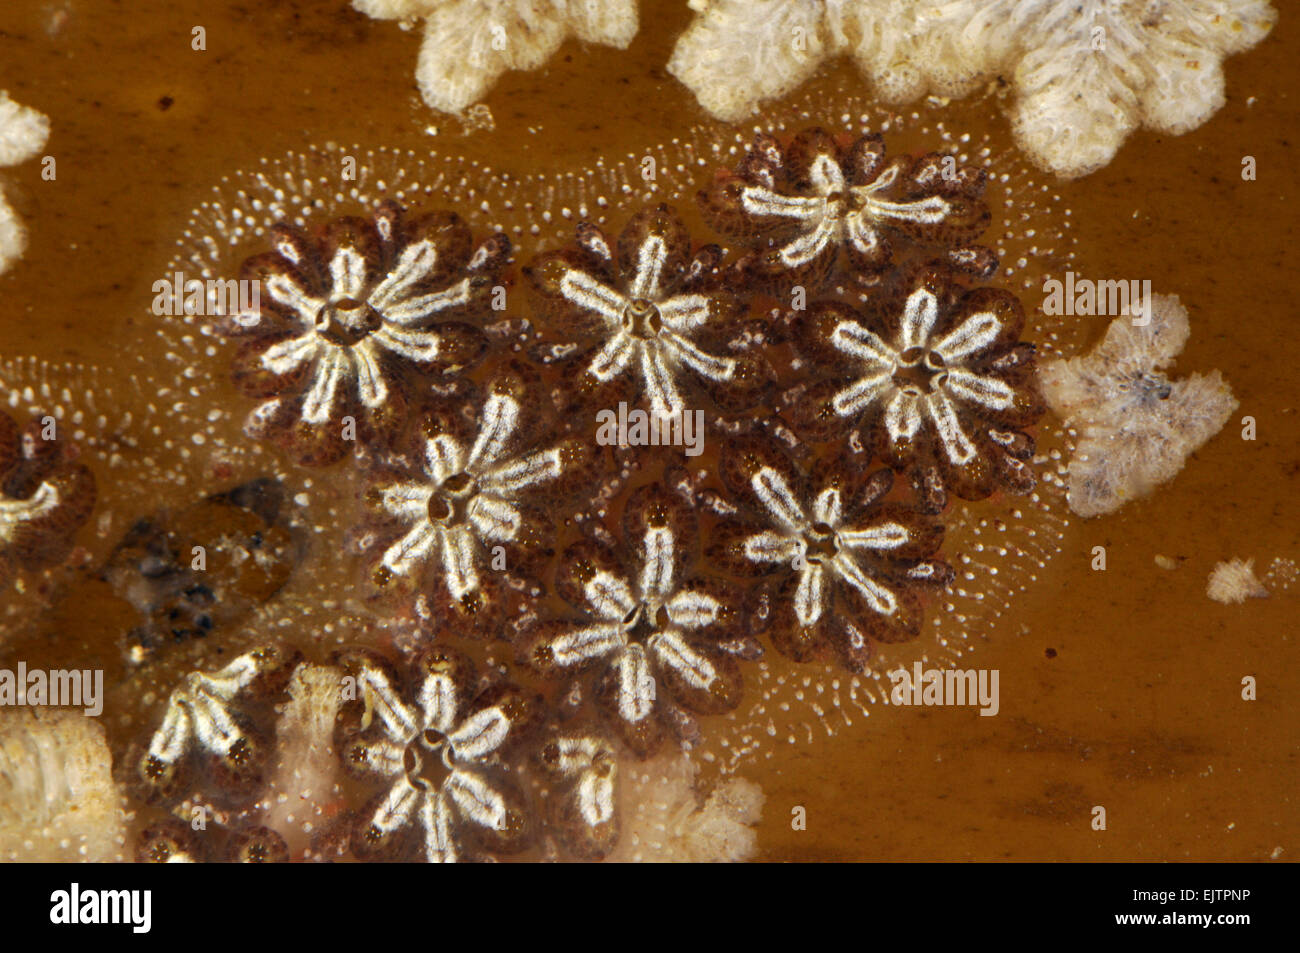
x: 1136, y: 426
x: 58, y: 799
x: 1234, y: 581
x: 23, y: 132
x: 303, y: 784
x: 1086, y: 73
x: 665, y: 820
x: 739, y: 53
x: 468, y: 44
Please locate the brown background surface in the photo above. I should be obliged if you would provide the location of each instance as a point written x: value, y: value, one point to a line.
x: 1139, y: 711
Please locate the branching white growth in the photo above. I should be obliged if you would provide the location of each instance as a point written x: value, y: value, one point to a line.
x: 739, y: 53
x: 58, y: 799
x: 1087, y: 79
x: 1136, y: 426
x: 1234, y: 582
x: 664, y: 819
x: 468, y: 44
x: 23, y: 133
x: 1086, y: 73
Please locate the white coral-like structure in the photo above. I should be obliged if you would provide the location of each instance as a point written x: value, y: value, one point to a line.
x: 468, y: 44
x: 58, y: 799
x: 1234, y: 581
x: 739, y: 53
x: 23, y: 133
x: 1136, y: 426
x: 1086, y: 73
x: 666, y: 820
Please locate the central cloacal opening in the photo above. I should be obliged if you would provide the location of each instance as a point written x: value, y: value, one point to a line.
x: 820, y: 544
x: 641, y: 318
x: 429, y: 761
x: 346, y: 321
x: 643, y: 621
x: 920, y: 371
x: 1155, y: 385
x: 840, y: 205
x: 449, y: 503
x: 837, y: 203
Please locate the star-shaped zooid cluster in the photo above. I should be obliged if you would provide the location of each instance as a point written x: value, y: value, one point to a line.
x: 660, y: 640
x: 939, y: 383
x: 847, y: 568
x: 803, y: 205
x: 610, y: 591
x: 474, y: 504
x: 650, y: 319
x: 438, y: 743
x: 348, y: 314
